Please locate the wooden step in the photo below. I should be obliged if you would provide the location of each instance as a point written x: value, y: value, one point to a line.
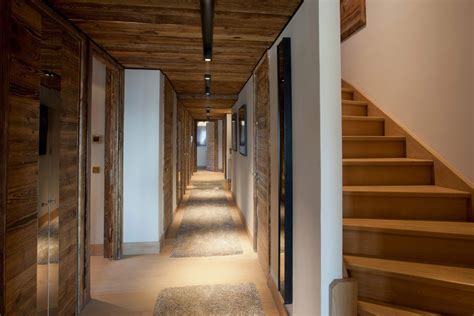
x: 373, y: 147
x: 355, y: 108
x: 405, y: 202
x: 363, y: 126
x: 436, y: 288
x: 374, y: 308
x: 347, y: 94
x: 448, y: 243
x: 387, y: 171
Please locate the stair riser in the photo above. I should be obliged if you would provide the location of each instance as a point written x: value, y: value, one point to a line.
x: 373, y: 149
x: 362, y: 128
x: 408, y: 208
x: 346, y: 95
x: 388, y: 175
x: 414, y: 293
x: 354, y: 110
x: 385, y: 245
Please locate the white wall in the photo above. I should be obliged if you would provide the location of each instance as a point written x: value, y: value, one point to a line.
x: 416, y: 61
x: 242, y: 179
x: 98, y: 151
x: 142, y: 183
x: 317, y: 156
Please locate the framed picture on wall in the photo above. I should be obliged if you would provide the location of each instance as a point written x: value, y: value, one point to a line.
x: 234, y: 132
x: 243, y: 130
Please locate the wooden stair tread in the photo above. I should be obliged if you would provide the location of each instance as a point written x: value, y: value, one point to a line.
x: 373, y: 138
x: 362, y: 118
x: 406, y: 190
x: 382, y: 309
x: 386, y: 161
x: 354, y: 102
x: 347, y: 90
x: 447, y: 276
x: 458, y: 230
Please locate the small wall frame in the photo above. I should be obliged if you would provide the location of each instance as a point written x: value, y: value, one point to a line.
x: 242, y: 114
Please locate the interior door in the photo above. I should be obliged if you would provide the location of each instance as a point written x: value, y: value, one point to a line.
x: 262, y: 164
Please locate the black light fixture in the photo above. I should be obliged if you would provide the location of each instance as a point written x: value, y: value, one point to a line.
x: 208, y: 113
x: 207, y: 84
x: 207, y: 24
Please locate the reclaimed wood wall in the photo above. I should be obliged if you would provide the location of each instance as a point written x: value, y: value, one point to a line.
x: 186, y: 154
x: 69, y: 171
x: 169, y: 98
x: 113, y: 169
x: 212, y: 146
x: 20, y: 125
x: 4, y: 89
x: 34, y: 39
x: 262, y: 162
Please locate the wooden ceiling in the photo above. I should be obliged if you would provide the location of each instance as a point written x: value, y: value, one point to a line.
x: 166, y: 35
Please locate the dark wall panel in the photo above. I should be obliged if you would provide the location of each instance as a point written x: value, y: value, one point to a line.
x: 24, y: 39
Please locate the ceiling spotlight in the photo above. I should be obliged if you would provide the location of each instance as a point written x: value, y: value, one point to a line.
x: 207, y: 24
x: 207, y: 84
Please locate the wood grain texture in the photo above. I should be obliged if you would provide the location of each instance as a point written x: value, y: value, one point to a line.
x: 69, y: 172
x: 212, y: 144
x: 262, y: 163
x: 113, y: 199
x: 353, y: 17
x: 21, y: 164
x: 5, y: 6
x: 169, y: 97
x: 166, y: 35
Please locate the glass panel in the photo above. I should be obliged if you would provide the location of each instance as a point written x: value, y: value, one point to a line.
x: 48, y: 220
x: 285, y: 193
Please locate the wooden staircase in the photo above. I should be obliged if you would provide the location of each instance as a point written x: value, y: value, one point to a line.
x: 408, y: 235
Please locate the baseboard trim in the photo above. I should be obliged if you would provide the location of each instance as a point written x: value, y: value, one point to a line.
x: 141, y: 248
x: 280, y: 305
x: 97, y: 249
x: 242, y: 218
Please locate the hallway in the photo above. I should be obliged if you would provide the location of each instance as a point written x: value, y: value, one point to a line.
x: 131, y: 286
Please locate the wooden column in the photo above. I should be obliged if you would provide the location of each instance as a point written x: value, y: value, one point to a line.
x: 168, y: 154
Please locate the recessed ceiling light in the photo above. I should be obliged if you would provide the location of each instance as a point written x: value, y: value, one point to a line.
x: 207, y: 25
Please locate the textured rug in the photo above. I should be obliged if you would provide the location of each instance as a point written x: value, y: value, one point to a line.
x: 207, y: 228
x: 238, y: 299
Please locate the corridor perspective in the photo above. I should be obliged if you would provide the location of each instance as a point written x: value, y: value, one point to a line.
x: 237, y: 157
x: 207, y: 246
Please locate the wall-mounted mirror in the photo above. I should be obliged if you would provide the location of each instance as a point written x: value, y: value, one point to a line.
x: 234, y: 132
x: 285, y: 186
x: 243, y: 130
x: 48, y: 171
x: 48, y: 220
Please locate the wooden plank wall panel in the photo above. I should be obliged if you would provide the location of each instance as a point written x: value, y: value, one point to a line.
x: 113, y: 175
x: 22, y: 158
x: 168, y: 153
x: 211, y: 146
x: 69, y: 171
x: 262, y: 162
x: 4, y: 86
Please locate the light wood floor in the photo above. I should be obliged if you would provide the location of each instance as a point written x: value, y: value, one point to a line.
x: 130, y: 286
